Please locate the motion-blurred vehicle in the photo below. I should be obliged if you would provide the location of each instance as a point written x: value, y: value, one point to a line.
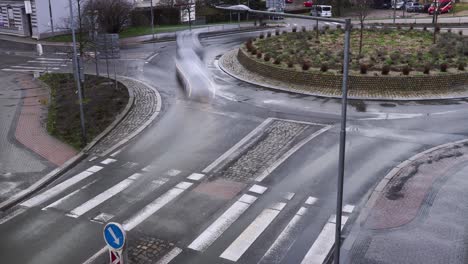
x: 308, y: 4
x: 413, y: 7
x: 445, y: 6
x: 321, y: 11
x: 190, y: 69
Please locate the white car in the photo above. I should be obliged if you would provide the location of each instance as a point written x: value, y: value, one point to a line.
x: 399, y: 5
x: 321, y: 11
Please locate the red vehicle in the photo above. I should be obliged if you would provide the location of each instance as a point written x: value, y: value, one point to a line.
x: 445, y: 6
x: 308, y: 4
x: 289, y: 1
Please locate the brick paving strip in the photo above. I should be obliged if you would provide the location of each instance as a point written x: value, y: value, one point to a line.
x: 230, y: 64
x: 30, y: 129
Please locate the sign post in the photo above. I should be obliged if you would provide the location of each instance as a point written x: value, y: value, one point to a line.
x: 114, y: 235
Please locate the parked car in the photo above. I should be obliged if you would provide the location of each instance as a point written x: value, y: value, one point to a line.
x: 308, y: 4
x: 426, y: 8
x: 321, y: 11
x: 414, y: 7
x: 289, y: 1
x: 279, y: 16
x: 399, y: 5
x: 382, y: 4
x: 445, y: 6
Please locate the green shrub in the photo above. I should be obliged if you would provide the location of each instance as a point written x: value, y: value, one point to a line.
x: 443, y: 67
x: 305, y: 65
x: 267, y: 57
x: 427, y: 69
x: 324, y: 67
x: 363, y: 68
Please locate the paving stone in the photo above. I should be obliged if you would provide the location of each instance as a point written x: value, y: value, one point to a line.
x: 144, y: 106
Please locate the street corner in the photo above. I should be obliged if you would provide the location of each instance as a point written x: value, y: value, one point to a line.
x: 403, y: 195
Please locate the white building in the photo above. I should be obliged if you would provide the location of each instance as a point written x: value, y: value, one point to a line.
x: 34, y: 18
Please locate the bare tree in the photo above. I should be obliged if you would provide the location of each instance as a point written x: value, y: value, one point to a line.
x: 112, y: 15
x: 363, y: 7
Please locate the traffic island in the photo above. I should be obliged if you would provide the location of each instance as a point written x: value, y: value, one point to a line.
x: 103, y: 100
x: 393, y: 65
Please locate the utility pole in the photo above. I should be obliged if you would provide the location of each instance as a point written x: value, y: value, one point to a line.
x: 394, y: 11
x: 341, y: 158
x: 434, y: 19
x: 77, y: 75
x: 51, y: 18
x: 152, y: 19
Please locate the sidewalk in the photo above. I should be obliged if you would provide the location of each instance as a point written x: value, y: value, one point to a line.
x: 27, y: 151
x: 417, y: 214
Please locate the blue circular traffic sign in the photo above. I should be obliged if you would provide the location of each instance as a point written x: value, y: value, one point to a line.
x: 114, y: 235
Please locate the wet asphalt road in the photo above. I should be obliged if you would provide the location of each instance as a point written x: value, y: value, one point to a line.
x: 188, y: 136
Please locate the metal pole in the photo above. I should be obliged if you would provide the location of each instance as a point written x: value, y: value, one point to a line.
x: 51, y: 18
x: 341, y: 162
x: 152, y: 20
x: 394, y: 11
x: 107, y: 55
x: 77, y: 75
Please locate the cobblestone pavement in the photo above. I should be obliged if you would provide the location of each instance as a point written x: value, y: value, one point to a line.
x: 144, y: 106
x: 229, y: 63
x: 19, y: 167
x: 277, y: 138
x: 421, y: 215
x: 146, y: 250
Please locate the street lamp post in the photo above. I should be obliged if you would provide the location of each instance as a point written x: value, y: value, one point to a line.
x: 344, y: 104
x: 77, y: 75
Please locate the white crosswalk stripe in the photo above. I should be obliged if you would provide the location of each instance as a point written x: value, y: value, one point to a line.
x: 215, y: 230
x: 252, y: 232
x: 41, y: 64
x: 104, y: 196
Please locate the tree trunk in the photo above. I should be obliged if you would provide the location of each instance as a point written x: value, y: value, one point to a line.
x: 360, y: 38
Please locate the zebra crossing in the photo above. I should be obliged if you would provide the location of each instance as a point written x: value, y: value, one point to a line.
x: 247, y: 203
x: 40, y: 65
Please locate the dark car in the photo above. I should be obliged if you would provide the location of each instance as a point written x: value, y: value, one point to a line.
x: 413, y: 7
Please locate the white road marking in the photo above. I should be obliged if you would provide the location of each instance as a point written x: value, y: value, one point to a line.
x: 96, y: 255
x: 237, y: 146
x: 12, y: 215
x: 170, y: 256
x: 258, y: 189
x: 196, y: 176
x: 152, y: 57
x: 323, y: 244
x: 289, y: 195
x: 184, y: 185
x: 45, y: 62
x: 54, y: 191
x: 36, y: 68
x: 148, y: 168
x: 235, y: 251
x: 92, y: 158
x: 21, y: 70
x: 53, y: 59
x: 108, y: 161
x: 173, y: 172
x: 286, y: 155
x: 102, y: 218
x: 116, y: 153
x: 61, y: 200
x: 95, y: 168
x: 102, y: 197
x: 217, y: 228
x: 284, y: 241
x: 348, y: 208
x: 311, y: 200
x: 152, y: 208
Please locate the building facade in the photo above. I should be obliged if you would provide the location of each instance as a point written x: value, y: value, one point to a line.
x: 34, y: 18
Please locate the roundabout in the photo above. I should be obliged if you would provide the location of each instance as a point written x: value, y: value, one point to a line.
x: 393, y: 64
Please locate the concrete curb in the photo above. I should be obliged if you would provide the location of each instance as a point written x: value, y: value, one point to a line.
x: 273, y: 87
x: 53, y: 175
x: 377, y: 192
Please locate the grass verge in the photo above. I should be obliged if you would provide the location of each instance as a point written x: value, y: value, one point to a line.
x: 102, y: 103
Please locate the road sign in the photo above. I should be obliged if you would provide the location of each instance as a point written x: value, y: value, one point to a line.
x: 115, y: 257
x: 114, y: 235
